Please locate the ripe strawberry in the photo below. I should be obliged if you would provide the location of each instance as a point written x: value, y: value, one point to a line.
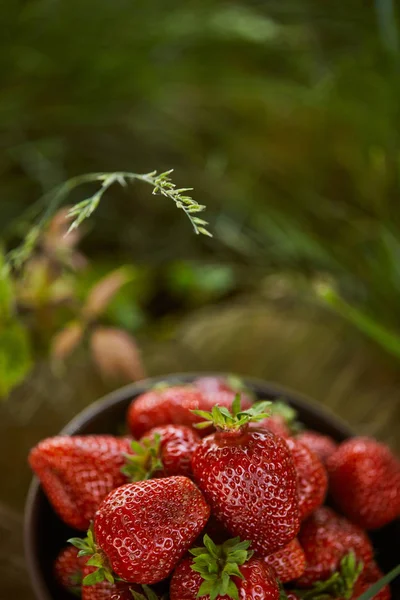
x: 322, y: 445
x: 222, y: 391
x: 163, y: 451
x: 143, y: 529
x: 364, y: 479
x: 326, y: 538
x: 282, y: 420
x: 248, y: 477
x: 215, y: 384
x: 166, y: 405
x: 371, y: 574
x: 312, y: 479
x: 162, y: 406
x: 214, y: 573
x: 78, y: 472
x: 68, y: 569
x: 289, y: 563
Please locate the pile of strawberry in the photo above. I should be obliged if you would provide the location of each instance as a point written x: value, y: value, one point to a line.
x: 216, y: 497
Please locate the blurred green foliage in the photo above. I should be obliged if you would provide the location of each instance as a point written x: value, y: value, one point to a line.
x: 284, y: 116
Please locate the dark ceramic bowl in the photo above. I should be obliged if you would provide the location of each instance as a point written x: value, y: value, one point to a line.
x: 45, y: 534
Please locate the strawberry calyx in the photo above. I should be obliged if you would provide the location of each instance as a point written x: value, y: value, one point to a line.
x: 340, y: 585
x: 87, y: 547
x: 234, y: 420
x: 218, y: 564
x: 281, y: 409
x: 145, y: 459
x: 148, y: 594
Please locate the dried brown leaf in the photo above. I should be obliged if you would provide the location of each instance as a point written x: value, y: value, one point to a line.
x: 116, y: 354
x: 65, y: 342
x: 103, y: 292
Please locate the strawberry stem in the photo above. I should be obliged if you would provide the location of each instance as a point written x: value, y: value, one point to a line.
x: 339, y: 585
x: 218, y: 564
x: 225, y: 420
x: 145, y: 459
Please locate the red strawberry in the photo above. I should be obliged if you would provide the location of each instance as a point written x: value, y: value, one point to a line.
x: 212, y: 385
x: 163, y: 451
x: 223, y: 572
x: 364, y: 480
x: 289, y: 563
x: 248, y: 478
x: 68, y: 569
x: 312, y: 479
x: 275, y: 424
x: 282, y: 419
x: 143, y: 529
x: 222, y: 391
x: 162, y: 406
x: 289, y: 595
x: 78, y: 472
x: 371, y: 574
x: 322, y: 445
x: 326, y: 538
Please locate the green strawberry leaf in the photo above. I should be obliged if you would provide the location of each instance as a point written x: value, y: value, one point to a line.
x: 93, y: 578
x: 223, y: 419
x: 145, y: 459
x: 217, y: 564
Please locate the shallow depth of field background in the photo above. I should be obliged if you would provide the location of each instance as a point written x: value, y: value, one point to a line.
x: 284, y: 117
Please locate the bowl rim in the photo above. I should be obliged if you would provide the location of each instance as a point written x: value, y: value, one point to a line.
x: 113, y: 398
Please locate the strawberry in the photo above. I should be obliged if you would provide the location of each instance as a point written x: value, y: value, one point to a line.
x: 326, y: 538
x: 222, y: 391
x: 282, y: 420
x: 165, y: 405
x: 161, y: 452
x: 248, y: 477
x: 162, y: 406
x: 143, y: 529
x: 78, y: 472
x: 312, y: 479
x: 322, y: 445
x: 364, y: 479
x: 215, y: 384
x: 68, y: 569
x: 289, y: 563
x: 214, y: 573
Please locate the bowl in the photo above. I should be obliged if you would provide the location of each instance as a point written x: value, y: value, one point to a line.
x: 45, y: 534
